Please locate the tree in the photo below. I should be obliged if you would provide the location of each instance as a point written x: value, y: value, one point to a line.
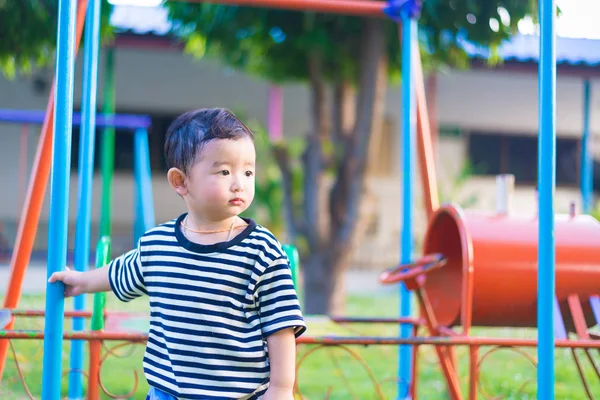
x: 28, y: 32
x: 355, y: 58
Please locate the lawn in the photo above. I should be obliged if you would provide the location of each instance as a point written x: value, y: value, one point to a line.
x: 328, y: 370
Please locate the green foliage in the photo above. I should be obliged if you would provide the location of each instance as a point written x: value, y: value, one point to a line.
x: 276, y: 44
x: 270, y: 43
x: 595, y: 212
x: 28, y: 32
x: 444, y: 22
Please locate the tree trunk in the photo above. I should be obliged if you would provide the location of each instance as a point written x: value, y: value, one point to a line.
x: 324, y: 281
x: 281, y: 155
x: 314, y: 227
x: 343, y: 111
x: 328, y: 260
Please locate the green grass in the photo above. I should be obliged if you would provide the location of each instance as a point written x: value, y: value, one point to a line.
x: 328, y: 369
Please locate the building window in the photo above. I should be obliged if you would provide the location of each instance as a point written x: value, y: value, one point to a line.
x: 493, y: 153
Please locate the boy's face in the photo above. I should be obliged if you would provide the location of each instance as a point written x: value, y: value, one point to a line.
x: 221, y: 183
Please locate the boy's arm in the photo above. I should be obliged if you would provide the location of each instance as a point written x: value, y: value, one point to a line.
x: 76, y: 282
x: 281, y: 322
x: 282, y: 359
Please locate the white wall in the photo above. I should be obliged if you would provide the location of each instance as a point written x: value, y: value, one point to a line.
x: 168, y: 81
x: 482, y: 99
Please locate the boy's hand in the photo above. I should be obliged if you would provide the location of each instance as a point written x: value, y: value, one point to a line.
x: 75, y: 282
x: 277, y: 393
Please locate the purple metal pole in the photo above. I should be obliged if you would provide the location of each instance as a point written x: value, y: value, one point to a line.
x: 124, y: 121
x: 275, y: 113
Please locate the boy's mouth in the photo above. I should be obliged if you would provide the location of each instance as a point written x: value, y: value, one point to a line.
x: 237, y: 201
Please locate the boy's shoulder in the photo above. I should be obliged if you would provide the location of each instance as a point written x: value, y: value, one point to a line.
x: 162, y: 229
x: 268, y: 240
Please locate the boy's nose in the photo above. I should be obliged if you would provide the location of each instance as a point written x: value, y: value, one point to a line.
x: 237, y: 185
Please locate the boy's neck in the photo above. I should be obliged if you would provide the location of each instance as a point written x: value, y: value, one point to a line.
x: 197, y: 223
x: 211, y: 232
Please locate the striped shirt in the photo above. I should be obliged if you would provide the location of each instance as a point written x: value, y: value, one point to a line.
x: 211, y: 309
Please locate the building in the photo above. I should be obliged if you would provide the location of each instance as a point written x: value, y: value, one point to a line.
x: 487, y: 118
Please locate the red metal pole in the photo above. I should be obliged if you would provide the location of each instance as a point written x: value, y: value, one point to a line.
x: 94, y: 371
x: 42, y: 313
x: 361, y: 8
x: 443, y: 341
x: 425, y: 155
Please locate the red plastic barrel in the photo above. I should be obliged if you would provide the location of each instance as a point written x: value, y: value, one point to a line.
x: 490, y: 278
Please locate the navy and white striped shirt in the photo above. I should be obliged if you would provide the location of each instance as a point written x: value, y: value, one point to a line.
x: 211, y: 309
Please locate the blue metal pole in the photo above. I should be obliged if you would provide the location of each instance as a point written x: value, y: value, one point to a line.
x: 408, y: 112
x: 86, y: 173
x: 587, y: 171
x: 546, y: 184
x: 144, y: 204
x: 59, y: 199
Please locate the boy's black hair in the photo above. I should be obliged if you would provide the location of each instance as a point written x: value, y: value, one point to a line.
x: 190, y: 132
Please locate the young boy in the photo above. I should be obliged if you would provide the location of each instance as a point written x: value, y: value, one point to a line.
x: 223, y: 310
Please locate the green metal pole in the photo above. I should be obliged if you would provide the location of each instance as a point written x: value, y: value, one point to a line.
x: 102, y: 258
x: 108, y: 146
x: 293, y: 256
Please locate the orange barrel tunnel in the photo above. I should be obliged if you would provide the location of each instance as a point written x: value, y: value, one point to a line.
x: 490, y: 278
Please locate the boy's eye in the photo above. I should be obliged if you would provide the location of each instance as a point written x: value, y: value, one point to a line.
x: 224, y: 172
x: 249, y: 173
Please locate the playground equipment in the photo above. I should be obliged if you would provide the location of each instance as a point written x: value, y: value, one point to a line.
x: 494, y: 256
x: 474, y: 259
x: 143, y: 203
x: 463, y: 249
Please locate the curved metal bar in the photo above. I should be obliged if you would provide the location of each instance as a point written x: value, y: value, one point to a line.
x: 354, y: 355
x: 135, y: 373
x: 517, y: 350
x: 19, y: 370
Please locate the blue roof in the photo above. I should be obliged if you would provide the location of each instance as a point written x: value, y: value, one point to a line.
x: 520, y: 48
x: 526, y: 48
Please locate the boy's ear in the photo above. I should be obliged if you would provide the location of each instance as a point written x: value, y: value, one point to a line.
x: 176, y: 179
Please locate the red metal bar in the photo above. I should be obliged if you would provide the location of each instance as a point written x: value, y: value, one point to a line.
x: 443, y: 341
x: 366, y: 320
x: 336, y: 319
x: 362, y: 8
x: 473, y: 372
x: 41, y: 313
x: 339, y: 320
x: 445, y: 354
x: 415, y: 366
x: 76, y: 335
x: 332, y: 340
x: 578, y: 316
x: 425, y: 156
